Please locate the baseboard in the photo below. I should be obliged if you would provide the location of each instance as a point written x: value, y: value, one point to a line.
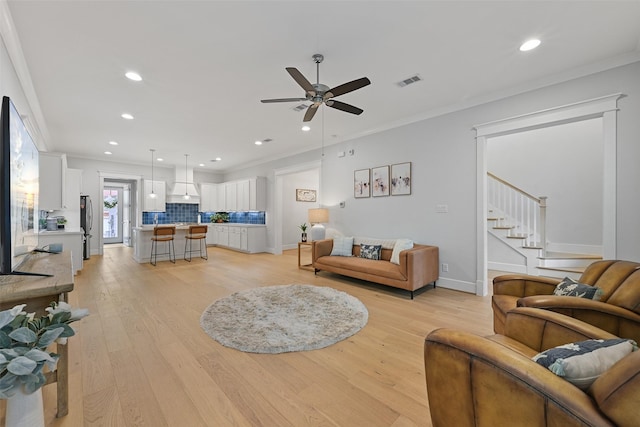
x: 456, y: 285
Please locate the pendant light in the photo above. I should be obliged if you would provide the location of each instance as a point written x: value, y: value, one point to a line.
x: 186, y: 194
x: 152, y: 195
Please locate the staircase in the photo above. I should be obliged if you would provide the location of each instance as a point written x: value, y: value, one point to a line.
x: 518, y: 220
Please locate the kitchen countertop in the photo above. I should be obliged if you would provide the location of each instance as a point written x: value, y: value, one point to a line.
x: 64, y: 231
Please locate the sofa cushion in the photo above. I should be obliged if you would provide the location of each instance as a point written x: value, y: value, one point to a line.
x: 371, y: 267
x: 570, y: 288
x: 401, y: 245
x: 370, y: 251
x: 581, y: 363
x: 342, y: 246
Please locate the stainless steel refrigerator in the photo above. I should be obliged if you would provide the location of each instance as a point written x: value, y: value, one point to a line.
x: 86, y: 222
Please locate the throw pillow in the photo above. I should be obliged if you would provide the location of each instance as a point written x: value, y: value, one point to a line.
x: 401, y: 245
x: 571, y: 288
x: 342, y: 246
x: 370, y: 251
x: 581, y: 363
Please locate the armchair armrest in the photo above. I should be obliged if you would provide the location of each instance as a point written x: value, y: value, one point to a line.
x: 473, y: 381
x: 541, y: 330
x: 523, y: 285
x: 616, y: 320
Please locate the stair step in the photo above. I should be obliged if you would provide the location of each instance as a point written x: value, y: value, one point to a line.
x: 516, y: 236
x: 503, y: 227
x: 565, y: 260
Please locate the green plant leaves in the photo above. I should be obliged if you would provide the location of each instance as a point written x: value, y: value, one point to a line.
x: 23, y: 335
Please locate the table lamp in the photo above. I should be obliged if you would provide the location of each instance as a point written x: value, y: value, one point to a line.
x: 316, y: 218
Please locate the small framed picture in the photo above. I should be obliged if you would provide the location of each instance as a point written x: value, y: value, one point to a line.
x: 401, y: 179
x: 304, y: 195
x: 380, y: 181
x: 361, y: 183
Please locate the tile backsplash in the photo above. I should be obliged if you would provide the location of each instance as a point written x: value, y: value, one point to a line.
x: 188, y: 212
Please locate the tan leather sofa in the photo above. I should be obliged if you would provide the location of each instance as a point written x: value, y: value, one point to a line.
x: 418, y: 266
x: 492, y: 381
x: 618, y: 310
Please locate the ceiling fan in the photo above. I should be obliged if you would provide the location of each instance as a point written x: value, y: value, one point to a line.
x: 319, y: 93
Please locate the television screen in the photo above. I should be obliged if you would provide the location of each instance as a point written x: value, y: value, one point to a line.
x: 19, y: 186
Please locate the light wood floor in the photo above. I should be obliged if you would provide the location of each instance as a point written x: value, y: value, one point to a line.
x: 141, y: 358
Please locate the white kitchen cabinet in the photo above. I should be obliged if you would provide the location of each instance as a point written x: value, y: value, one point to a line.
x: 231, y: 191
x: 222, y: 235
x: 246, y: 195
x: 221, y: 199
x: 52, y: 182
x: 208, y: 197
x: 157, y: 204
x: 71, y: 241
x: 251, y: 239
x: 212, y: 237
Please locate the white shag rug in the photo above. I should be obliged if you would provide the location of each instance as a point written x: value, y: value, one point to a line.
x: 280, y: 319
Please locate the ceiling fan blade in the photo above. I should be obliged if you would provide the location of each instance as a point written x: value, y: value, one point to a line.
x: 311, y: 111
x: 301, y: 80
x: 344, y: 107
x: 347, y: 87
x: 266, y: 101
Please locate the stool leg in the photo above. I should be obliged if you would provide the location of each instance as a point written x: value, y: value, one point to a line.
x: 171, y: 245
x: 206, y: 254
x: 185, y: 249
x: 153, y: 243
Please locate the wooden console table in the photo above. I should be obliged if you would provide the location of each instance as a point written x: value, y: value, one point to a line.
x: 37, y: 293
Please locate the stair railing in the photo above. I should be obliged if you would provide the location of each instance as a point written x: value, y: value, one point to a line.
x: 524, y: 214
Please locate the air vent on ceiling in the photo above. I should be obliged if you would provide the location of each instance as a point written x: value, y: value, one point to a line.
x: 410, y: 80
x: 267, y: 140
x: 300, y: 107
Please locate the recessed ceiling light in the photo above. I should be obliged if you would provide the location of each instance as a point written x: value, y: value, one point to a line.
x: 529, y: 45
x: 132, y: 75
x: 217, y: 159
x: 108, y: 153
x: 160, y: 159
x: 306, y: 128
x: 201, y: 165
x: 127, y: 116
x: 258, y: 142
x: 113, y: 143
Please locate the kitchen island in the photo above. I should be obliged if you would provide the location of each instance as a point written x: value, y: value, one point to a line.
x: 249, y: 238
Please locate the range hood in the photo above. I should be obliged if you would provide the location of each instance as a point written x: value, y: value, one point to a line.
x: 180, y: 187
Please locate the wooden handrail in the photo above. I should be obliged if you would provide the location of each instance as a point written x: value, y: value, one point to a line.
x: 513, y: 187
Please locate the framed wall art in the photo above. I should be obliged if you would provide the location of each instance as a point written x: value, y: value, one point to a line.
x: 401, y: 179
x: 380, y: 181
x: 304, y: 195
x: 361, y: 183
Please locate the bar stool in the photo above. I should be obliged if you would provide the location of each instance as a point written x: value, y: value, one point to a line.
x: 162, y: 234
x: 196, y: 232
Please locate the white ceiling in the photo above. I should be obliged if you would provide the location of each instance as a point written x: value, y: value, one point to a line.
x: 207, y: 64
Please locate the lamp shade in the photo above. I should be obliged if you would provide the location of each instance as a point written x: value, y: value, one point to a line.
x: 317, y: 216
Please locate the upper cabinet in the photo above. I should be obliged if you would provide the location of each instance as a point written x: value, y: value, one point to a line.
x: 52, y: 193
x: 157, y: 203
x: 244, y: 195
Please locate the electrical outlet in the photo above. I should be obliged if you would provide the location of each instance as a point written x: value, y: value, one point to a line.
x: 445, y: 268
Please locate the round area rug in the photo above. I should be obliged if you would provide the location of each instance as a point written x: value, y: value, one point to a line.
x: 279, y: 319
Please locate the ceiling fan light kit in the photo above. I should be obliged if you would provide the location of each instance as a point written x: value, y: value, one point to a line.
x: 319, y: 93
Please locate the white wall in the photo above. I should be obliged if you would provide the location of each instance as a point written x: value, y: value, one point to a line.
x: 443, y: 155
x: 295, y: 213
x: 565, y: 164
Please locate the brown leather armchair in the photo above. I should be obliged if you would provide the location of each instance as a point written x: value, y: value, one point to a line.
x: 617, y: 312
x: 492, y: 381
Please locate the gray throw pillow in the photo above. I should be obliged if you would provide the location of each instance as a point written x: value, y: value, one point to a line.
x: 571, y: 288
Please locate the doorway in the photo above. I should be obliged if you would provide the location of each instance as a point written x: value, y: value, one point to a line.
x: 606, y: 108
x: 116, y: 213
